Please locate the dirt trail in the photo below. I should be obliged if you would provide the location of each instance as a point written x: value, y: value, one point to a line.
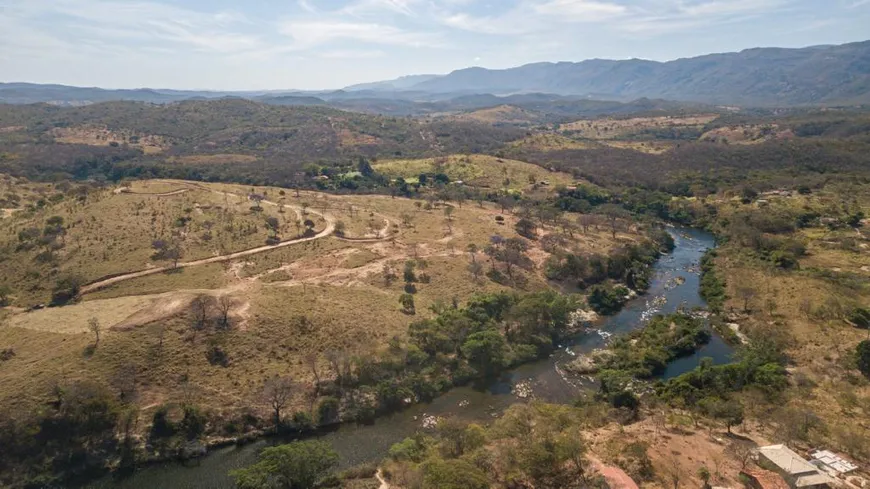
x: 157, y: 194
x: 379, y: 475
x: 330, y: 228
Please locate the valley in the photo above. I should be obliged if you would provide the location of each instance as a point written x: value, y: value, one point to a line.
x: 205, y: 274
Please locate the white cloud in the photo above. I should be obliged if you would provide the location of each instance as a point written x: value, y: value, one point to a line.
x: 580, y: 10
x: 352, y: 54
x: 404, y: 7
x: 101, y: 21
x: 307, y: 34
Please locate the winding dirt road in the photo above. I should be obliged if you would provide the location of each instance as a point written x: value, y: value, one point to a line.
x: 330, y: 228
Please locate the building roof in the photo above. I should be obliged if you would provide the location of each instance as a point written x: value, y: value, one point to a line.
x: 833, y: 461
x: 817, y: 479
x: 766, y: 479
x: 787, y: 460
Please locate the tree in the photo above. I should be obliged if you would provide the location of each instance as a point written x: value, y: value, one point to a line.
x: 95, y: 328
x: 5, y: 292
x: 272, y: 224
x: 257, y: 199
x: 340, y: 228
x: 407, y: 302
x: 277, y: 392
x: 224, y: 306
x: 476, y: 270
x: 453, y: 474
x: 512, y: 252
x: 66, y: 289
x: 487, y: 351
x: 704, y: 475
x: 526, y: 228
x: 729, y: 411
x: 164, y: 250
x: 472, y: 250
x: 389, y: 274
x: 587, y: 220
x: 200, y: 308
x: 298, y: 465
x: 746, y: 294
x: 506, y: 204
x: 863, y: 357
x: 613, y: 214
x: 310, y: 360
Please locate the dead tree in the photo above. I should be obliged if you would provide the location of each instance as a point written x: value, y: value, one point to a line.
x: 277, y: 392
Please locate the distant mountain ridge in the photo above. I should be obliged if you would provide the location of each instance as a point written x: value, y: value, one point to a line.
x: 759, y: 77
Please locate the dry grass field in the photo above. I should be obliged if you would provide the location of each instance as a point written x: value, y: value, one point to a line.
x: 480, y: 171
x: 320, y: 295
x: 93, y: 135
x: 502, y: 114
x: 604, y: 129
x: 811, y: 305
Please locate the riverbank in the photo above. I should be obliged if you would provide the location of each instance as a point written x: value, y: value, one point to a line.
x: 543, y: 380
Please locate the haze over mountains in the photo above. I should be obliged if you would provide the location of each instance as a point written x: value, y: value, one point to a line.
x: 762, y: 77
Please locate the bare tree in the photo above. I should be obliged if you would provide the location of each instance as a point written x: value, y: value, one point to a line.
x: 673, y: 470
x: 277, y: 392
x: 224, y: 305
x: 506, y: 204
x: 472, y: 251
x: 311, y: 361
x: 746, y: 294
x: 200, y: 308
x: 742, y: 452
x: 124, y: 381
x: 613, y: 213
x: 585, y: 221
x: 95, y: 328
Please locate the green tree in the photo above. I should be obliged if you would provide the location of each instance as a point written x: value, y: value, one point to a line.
x: 407, y: 302
x: 863, y: 354
x: 486, y: 351
x: 298, y: 465
x: 453, y: 474
x: 5, y: 292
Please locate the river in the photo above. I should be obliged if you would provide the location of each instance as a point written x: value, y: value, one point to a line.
x: 543, y: 380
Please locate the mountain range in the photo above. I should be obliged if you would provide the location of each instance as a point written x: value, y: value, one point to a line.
x: 760, y: 77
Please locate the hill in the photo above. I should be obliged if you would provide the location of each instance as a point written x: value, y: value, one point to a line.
x: 754, y: 77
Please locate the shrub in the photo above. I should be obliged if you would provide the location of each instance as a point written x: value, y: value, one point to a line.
x: 66, y: 289
x: 607, y: 300
x: 860, y: 317
x: 217, y: 356
x: 328, y: 411
x: 862, y: 353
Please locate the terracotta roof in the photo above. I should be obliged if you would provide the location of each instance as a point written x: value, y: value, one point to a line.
x: 766, y: 479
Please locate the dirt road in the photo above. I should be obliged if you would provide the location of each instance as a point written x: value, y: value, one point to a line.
x: 330, y: 228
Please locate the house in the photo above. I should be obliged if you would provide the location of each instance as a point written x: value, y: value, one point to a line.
x: 797, y: 472
x: 832, y: 463
x: 764, y: 479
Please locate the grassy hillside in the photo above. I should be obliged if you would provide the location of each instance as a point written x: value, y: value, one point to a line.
x: 330, y: 294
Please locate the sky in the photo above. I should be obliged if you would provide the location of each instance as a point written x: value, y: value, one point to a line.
x: 328, y: 44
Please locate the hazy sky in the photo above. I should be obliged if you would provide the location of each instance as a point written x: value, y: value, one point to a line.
x: 312, y: 44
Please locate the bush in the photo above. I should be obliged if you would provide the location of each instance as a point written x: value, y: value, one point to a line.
x: 194, y: 422
x: 328, y: 411
x: 860, y: 317
x: 66, y: 289
x: 607, y: 300
x: 301, y: 464
x: 217, y: 356
x: 161, y: 425
x: 862, y: 353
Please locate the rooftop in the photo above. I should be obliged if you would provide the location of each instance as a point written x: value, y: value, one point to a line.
x: 766, y: 479
x: 834, y: 461
x: 787, y: 460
